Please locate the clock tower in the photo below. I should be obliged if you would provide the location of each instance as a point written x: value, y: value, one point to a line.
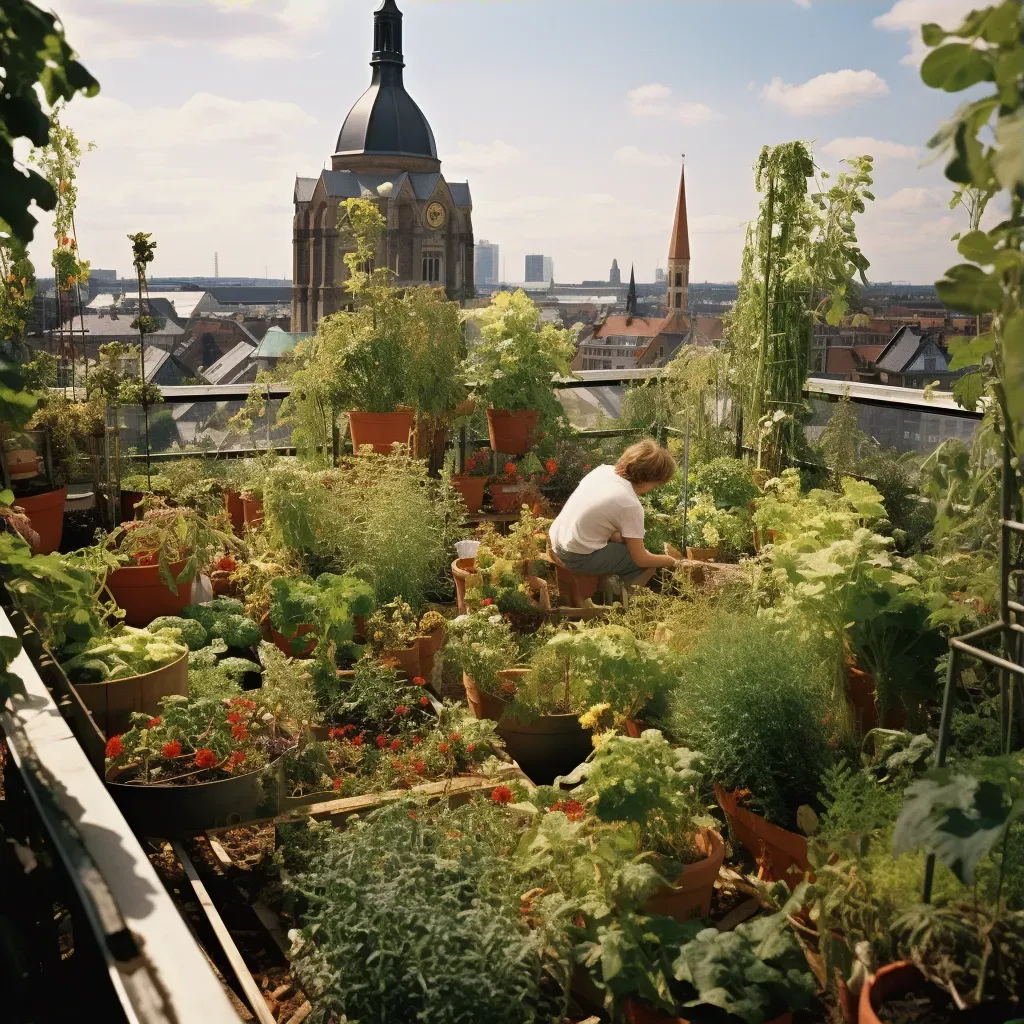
x: 386, y: 153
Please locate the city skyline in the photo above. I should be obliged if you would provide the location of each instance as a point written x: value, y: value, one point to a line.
x: 202, y: 151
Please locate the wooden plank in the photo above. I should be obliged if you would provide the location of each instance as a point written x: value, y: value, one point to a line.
x: 252, y: 991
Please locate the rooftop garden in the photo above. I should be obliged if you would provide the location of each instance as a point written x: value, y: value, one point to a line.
x: 542, y: 795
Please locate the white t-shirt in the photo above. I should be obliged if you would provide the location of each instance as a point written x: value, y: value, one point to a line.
x: 602, y: 504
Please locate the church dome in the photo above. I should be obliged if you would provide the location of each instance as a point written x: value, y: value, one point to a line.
x: 385, y: 120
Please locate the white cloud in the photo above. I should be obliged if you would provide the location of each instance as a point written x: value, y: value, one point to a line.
x: 861, y: 145
x: 636, y: 157
x: 802, y: 3
x: 655, y: 100
x: 909, y: 15
x: 482, y: 156
x: 825, y: 93
x: 244, y: 29
x: 905, y: 200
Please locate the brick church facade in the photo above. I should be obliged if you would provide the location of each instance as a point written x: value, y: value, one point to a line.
x: 385, y: 152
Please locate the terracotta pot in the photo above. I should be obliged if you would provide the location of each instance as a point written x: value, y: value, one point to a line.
x: 861, y: 689
x: 379, y: 429
x: 22, y: 464
x: 576, y: 587
x: 461, y: 569
x: 640, y: 1013
x: 549, y: 746
x: 702, y: 554
x: 46, y: 513
x: 634, y: 728
x: 113, y: 702
x: 429, y: 644
x: 781, y: 855
x: 512, y: 433
x: 695, y: 885
x: 284, y: 643
x: 144, y: 596
x: 891, y: 981
x: 236, y: 511
x: 407, y: 659
x: 472, y: 490
x: 507, y: 497
x: 252, y: 512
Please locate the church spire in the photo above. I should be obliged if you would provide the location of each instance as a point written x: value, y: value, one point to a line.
x: 631, y: 294
x: 679, y: 255
x: 387, y: 37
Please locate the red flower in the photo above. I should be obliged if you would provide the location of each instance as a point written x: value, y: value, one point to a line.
x: 443, y: 747
x: 396, y: 744
x: 205, y: 758
x: 234, y: 718
x: 153, y: 722
x: 239, y: 732
x: 418, y: 767
x: 470, y: 747
x: 226, y: 564
x: 357, y: 741
x: 574, y: 810
x: 115, y: 748
x: 551, y: 466
x: 172, y: 749
x: 501, y: 795
x: 455, y: 736
x: 401, y: 710
x: 337, y: 784
x: 237, y: 757
x: 424, y: 701
x: 486, y: 601
x: 418, y: 681
x: 417, y: 740
x: 510, y: 468
x: 382, y: 741
x: 241, y: 702
x: 337, y: 733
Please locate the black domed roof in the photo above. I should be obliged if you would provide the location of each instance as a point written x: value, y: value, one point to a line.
x: 385, y: 119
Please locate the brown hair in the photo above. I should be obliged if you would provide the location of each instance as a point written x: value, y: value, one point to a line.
x: 646, y: 462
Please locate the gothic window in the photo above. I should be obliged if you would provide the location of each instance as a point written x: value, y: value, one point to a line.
x: 431, y: 267
x: 679, y: 300
x: 679, y: 279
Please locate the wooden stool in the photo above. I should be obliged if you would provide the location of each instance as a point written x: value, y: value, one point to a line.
x: 580, y: 587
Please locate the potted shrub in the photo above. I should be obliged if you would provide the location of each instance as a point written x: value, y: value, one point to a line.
x: 511, y: 369
x: 304, y: 612
x: 128, y: 671
x: 391, y: 635
x: 160, y: 555
x: 754, y: 698
x: 507, y: 489
x: 646, y: 783
x: 201, y: 763
x: 472, y: 481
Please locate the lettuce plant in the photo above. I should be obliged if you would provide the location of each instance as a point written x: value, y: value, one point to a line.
x: 125, y: 652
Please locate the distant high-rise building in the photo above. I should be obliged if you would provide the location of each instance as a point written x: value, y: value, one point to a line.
x: 534, y: 268
x: 486, y: 263
x: 549, y: 269
x: 615, y: 275
x: 659, y: 275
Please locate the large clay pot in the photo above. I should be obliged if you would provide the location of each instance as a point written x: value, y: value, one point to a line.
x: 22, y: 464
x: 702, y: 554
x: 252, y: 512
x: 406, y: 659
x: 236, y: 511
x: 507, y: 497
x: 575, y: 587
x: 549, y: 746
x: 891, y: 981
x: 379, y: 429
x: 640, y: 1013
x: 144, y: 596
x: 113, y: 702
x: 695, y: 885
x: 472, y: 490
x: 512, y: 433
x: 46, y: 512
x: 429, y: 644
x: 782, y: 855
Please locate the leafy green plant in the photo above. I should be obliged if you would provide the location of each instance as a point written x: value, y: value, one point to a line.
x: 518, y: 356
x: 392, y: 627
x: 755, y: 699
x: 190, y: 632
x: 125, y: 652
x: 481, y: 644
x: 330, y: 604
x: 729, y: 482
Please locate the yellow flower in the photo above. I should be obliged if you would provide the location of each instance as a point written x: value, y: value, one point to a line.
x: 592, y: 716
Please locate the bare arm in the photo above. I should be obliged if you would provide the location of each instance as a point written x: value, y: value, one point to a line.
x: 643, y: 558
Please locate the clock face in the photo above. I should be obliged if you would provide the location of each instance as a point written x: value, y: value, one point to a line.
x: 436, y: 215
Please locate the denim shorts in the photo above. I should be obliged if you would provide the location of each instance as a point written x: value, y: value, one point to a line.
x: 611, y: 560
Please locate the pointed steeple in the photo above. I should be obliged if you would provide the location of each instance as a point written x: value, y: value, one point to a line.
x: 679, y: 248
x: 631, y: 294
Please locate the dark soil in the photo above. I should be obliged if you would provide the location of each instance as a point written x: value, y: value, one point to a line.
x: 80, y: 526
x: 933, y: 1006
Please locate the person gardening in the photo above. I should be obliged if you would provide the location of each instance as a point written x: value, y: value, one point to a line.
x: 600, y: 531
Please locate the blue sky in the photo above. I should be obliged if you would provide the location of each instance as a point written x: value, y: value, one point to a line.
x: 568, y: 118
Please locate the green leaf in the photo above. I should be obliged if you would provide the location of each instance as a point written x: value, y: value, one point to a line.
x: 956, y: 817
x: 967, y: 352
x: 969, y: 289
x: 968, y: 390
x: 1008, y: 158
x: 956, y: 66
x: 933, y: 34
x: 977, y: 247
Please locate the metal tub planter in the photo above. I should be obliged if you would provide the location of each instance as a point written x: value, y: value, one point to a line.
x: 171, y: 810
